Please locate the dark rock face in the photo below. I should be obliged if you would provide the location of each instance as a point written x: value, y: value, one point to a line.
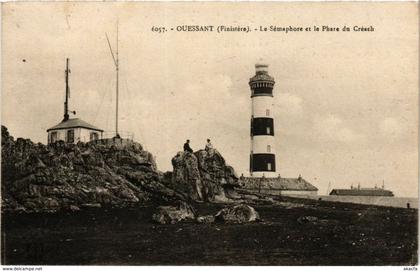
x: 217, y: 177
x: 186, y: 176
x: 241, y: 213
x: 36, y: 177
x: 203, y: 175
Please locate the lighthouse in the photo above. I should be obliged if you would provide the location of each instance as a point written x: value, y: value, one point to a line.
x: 264, y: 177
x: 263, y: 156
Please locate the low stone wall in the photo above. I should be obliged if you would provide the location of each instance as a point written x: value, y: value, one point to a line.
x: 119, y: 143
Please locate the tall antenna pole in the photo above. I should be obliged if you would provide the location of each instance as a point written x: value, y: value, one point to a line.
x: 66, y: 103
x: 117, y: 68
x: 116, y: 107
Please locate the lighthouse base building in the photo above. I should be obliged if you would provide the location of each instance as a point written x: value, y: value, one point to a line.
x: 263, y: 169
x: 278, y: 186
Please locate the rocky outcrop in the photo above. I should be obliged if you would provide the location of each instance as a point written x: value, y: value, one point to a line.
x: 36, y: 177
x: 218, y: 178
x: 203, y: 175
x: 186, y: 176
x: 238, y: 214
x: 109, y: 172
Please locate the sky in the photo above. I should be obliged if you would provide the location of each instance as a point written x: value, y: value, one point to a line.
x: 346, y: 103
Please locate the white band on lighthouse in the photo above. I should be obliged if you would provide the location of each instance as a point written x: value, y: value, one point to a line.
x: 263, y: 144
x: 262, y: 106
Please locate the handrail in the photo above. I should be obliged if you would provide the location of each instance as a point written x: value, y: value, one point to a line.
x: 122, y: 134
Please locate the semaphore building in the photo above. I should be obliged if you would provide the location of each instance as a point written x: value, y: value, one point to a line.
x: 72, y: 130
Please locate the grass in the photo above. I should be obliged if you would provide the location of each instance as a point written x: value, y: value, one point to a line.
x: 344, y: 234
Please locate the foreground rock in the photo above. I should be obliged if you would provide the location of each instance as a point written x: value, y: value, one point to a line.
x: 205, y: 219
x: 172, y: 215
x: 37, y: 178
x: 307, y: 219
x: 203, y: 176
x: 241, y: 213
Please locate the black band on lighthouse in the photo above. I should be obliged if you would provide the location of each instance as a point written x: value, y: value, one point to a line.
x: 263, y: 162
x: 262, y: 91
x: 262, y: 126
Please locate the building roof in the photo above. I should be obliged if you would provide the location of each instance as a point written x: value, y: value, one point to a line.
x: 74, y: 123
x: 279, y: 183
x: 362, y: 192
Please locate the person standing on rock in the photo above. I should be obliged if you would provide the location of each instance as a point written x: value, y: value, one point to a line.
x: 209, y: 147
x: 187, y: 147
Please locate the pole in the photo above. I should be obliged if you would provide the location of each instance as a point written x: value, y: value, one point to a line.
x: 117, y: 68
x: 116, y: 107
x: 66, y: 103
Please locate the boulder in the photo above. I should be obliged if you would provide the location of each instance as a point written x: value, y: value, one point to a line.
x: 172, y: 214
x: 241, y: 213
x: 307, y: 219
x: 205, y: 219
x: 73, y: 208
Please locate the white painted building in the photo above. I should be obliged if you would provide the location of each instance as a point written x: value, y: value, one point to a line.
x: 73, y: 131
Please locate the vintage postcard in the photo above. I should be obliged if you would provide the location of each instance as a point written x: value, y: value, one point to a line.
x: 209, y: 133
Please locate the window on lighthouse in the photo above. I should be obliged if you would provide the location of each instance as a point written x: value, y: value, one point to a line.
x: 269, y: 166
x: 268, y: 130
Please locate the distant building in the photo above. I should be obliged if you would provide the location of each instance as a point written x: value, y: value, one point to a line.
x: 278, y: 185
x: 72, y: 130
x: 369, y: 192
